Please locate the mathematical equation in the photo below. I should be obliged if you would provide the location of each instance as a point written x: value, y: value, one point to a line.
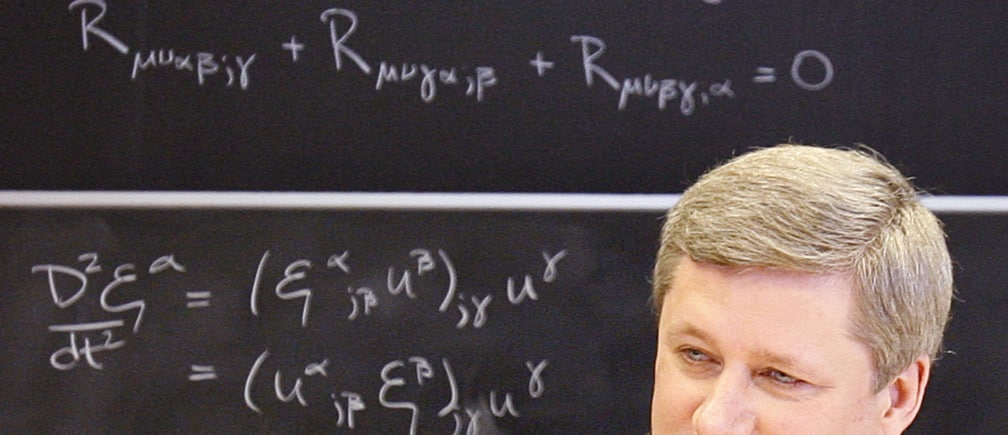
x: 341, y: 26
x: 400, y: 377
x: 297, y: 285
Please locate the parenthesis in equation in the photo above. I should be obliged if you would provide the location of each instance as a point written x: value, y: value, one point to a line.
x: 250, y: 380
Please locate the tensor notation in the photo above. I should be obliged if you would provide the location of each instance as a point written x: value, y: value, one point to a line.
x: 341, y: 26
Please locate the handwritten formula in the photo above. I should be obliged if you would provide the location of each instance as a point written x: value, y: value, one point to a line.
x: 810, y: 70
x: 297, y: 291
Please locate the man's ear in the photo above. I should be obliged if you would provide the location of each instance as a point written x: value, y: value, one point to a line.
x: 906, y: 394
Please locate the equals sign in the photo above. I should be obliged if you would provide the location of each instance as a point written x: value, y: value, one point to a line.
x: 202, y: 373
x: 198, y: 299
x: 766, y: 75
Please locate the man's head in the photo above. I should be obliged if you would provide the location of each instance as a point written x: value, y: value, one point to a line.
x: 839, y: 221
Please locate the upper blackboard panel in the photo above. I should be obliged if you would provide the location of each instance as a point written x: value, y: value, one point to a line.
x: 491, y: 96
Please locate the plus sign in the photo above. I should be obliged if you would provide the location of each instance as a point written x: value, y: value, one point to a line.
x: 540, y: 64
x: 294, y: 47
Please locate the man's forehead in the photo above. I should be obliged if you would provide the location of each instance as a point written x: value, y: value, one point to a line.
x: 838, y: 279
x: 707, y: 300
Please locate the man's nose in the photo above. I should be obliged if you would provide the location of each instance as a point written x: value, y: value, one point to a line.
x: 728, y: 407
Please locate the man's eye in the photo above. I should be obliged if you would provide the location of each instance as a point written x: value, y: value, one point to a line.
x: 782, y: 378
x: 695, y: 355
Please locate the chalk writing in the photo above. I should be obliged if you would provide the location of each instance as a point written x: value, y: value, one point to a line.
x: 398, y: 378
x: 202, y: 373
x: 270, y: 382
x: 202, y: 64
x: 354, y: 403
x: 88, y: 351
x: 541, y: 65
x: 198, y: 299
x: 430, y: 77
x: 368, y: 301
x: 799, y: 60
x: 89, y: 26
x: 663, y: 90
x: 470, y: 310
x: 765, y: 74
x: 536, y: 386
x: 472, y: 80
x: 293, y: 47
x: 68, y: 285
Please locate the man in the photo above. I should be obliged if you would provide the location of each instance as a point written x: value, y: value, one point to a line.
x: 799, y: 290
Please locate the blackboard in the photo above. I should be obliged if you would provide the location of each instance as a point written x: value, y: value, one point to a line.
x: 475, y: 96
x: 548, y: 310
x: 490, y: 96
x: 499, y: 322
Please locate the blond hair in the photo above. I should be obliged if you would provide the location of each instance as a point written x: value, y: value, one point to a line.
x: 821, y: 210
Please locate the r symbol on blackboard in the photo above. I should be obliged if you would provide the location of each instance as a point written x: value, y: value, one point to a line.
x: 338, y: 41
x: 91, y: 26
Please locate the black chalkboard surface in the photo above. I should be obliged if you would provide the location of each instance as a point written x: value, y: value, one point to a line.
x: 475, y: 96
x: 189, y: 321
x: 572, y: 96
x: 266, y: 321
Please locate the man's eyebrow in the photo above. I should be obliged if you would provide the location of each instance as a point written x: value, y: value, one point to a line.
x: 798, y: 366
x: 778, y: 360
x: 794, y: 366
x: 681, y: 328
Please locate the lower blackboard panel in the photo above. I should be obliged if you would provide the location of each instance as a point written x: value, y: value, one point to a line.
x: 256, y: 321
x: 125, y: 321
